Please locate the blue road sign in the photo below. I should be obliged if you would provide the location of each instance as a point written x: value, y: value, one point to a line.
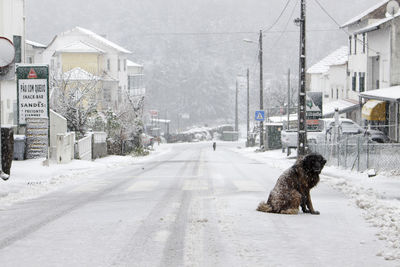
x: 260, y: 115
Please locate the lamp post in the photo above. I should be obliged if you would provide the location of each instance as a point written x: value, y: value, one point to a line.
x: 236, y: 107
x: 248, y: 105
x: 260, y: 57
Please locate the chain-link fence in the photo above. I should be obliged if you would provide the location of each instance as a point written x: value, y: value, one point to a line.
x: 358, y: 153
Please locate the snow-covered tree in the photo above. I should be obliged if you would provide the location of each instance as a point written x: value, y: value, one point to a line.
x: 75, y: 96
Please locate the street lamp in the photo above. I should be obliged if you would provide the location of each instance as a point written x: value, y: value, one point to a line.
x: 260, y: 57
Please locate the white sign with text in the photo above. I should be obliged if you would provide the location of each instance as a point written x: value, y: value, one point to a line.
x: 32, y: 99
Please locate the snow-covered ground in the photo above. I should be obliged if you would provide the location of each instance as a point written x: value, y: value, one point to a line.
x: 31, y: 178
x: 378, y: 197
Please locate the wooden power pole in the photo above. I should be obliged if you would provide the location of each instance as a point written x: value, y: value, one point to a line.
x: 302, y: 129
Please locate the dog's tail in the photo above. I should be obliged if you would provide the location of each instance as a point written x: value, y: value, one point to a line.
x: 264, y: 207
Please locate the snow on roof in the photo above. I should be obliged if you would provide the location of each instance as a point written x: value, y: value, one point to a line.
x: 374, y: 26
x: 132, y: 64
x: 103, y: 40
x: 161, y: 120
x: 32, y: 43
x: 79, y: 74
x: 343, y: 105
x: 281, y: 119
x: 364, y: 14
x: 338, y: 57
x: 80, y: 47
x: 384, y: 94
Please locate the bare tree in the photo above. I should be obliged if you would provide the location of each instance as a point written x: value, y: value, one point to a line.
x: 75, y: 96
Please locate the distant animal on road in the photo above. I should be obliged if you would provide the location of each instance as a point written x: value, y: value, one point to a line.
x: 214, y: 145
x: 292, y: 188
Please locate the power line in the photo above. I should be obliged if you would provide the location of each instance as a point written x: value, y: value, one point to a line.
x: 278, y: 18
x: 340, y: 27
x: 286, y: 26
x: 327, y: 13
x: 225, y: 33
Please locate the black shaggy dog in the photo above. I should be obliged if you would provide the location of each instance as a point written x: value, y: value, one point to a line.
x: 293, y: 187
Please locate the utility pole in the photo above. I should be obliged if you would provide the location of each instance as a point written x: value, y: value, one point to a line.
x: 302, y: 130
x: 288, y: 101
x: 248, y: 104
x: 261, y: 89
x: 236, y: 107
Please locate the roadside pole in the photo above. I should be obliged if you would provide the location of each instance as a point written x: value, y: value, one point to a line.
x: 302, y: 130
x: 248, y: 105
x: 261, y: 89
x: 288, y: 101
x: 236, y: 107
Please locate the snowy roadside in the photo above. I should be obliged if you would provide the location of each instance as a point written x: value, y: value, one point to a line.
x: 30, y: 179
x: 378, y: 197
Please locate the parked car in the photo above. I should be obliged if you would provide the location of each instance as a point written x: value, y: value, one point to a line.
x: 325, y: 132
x: 378, y: 136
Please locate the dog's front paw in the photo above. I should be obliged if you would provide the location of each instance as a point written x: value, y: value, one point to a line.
x: 315, y: 212
x: 306, y: 211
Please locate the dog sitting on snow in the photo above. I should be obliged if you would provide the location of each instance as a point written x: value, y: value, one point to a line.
x: 293, y: 187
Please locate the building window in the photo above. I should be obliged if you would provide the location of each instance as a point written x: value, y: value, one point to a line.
x: 108, y: 65
x: 119, y: 65
x: 119, y: 94
x: 355, y: 44
x: 350, y: 45
x: 135, y: 81
x: 337, y: 93
x: 364, y: 44
x: 124, y: 64
x: 354, y: 82
x: 107, y: 94
x: 17, y: 46
x: 362, y: 81
x: 331, y: 93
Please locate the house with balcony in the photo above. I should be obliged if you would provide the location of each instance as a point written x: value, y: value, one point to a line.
x: 374, y: 66
x: 135, y: 79
x: 82, y: 48
x: 329, y: 76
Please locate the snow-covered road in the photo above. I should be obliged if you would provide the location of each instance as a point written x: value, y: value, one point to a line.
x: 189, y: 206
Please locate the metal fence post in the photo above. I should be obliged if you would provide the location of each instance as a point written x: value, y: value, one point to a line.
x: 367, y: 154
x: 358, y: 153
x: 338, y: 152
x: 345, y: 153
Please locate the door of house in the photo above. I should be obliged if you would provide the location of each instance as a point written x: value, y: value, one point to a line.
x: 375, y: 72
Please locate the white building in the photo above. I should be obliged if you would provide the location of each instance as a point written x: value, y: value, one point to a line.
x: 33, y: 52
x: 135, y: 79
x: 80, y: 47
x: 329, y: 76
x: 374, y: 66
x: 12, y: 26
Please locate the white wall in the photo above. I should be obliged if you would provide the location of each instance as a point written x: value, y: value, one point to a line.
x: 379, y: 43
x: 58, y: 125
x: 338, y: 81
x: 12, y: 22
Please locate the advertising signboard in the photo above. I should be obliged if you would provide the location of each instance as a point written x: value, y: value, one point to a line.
x: 313, y: 109
x: 32, y: 92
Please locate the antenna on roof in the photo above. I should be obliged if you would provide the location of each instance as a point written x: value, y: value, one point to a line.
x: 392, y: 8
